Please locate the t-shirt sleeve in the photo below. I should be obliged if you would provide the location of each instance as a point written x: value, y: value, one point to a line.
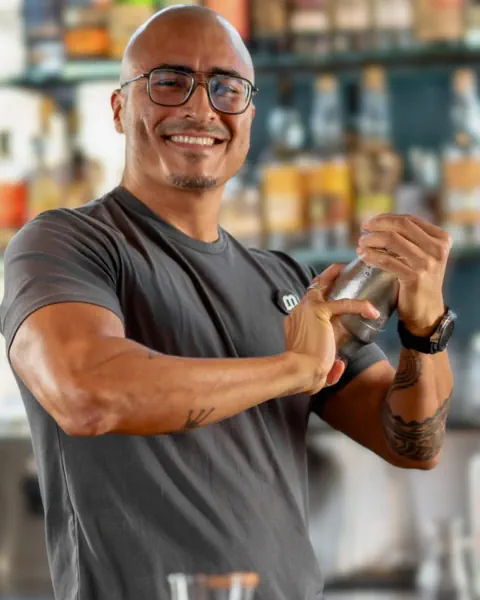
x: 56, y: 258
x: 361, y: 360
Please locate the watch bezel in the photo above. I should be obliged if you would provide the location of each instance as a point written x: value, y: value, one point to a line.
x: 444, y: 331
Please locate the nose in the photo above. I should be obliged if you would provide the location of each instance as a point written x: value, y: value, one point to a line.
x: 198, y: 105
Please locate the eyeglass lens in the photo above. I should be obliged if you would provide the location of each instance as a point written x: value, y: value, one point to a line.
x: 227, y: 94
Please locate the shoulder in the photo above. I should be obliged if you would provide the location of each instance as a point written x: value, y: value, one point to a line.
x: 90, y: 226
x: 284, y: 264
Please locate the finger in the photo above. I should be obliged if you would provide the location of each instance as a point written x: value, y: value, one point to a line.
x: 437, y: 244
x: 336, y: 372
x: 398, y: 246
x: 430, y: 228
x: 387, y: 262
x: 347, y: 306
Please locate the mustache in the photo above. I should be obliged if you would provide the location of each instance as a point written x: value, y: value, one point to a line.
x: 181, y: 126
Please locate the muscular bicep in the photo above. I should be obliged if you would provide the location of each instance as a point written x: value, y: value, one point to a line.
x: 51, y: 349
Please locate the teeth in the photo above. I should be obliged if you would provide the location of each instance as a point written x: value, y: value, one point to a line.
x: 185, y: 139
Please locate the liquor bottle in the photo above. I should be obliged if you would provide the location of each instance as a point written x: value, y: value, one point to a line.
x: 45, y: 190
x: 440, y: 20
x: 283, y: 210
x: 123, y: 20
x: 327, y: 176
x: 392, y: 23
x: 473, y: 23
x: 12, y: 39
x: 13, y: 189
x: 235, y: 12
x: 376, y: 166
x: 351, y: 22
x: 460, y: 210
x: 270, y: 25
x: 240, y: 211
x: 43, y: 35
x: 86, y: 28
x: 310, y: 26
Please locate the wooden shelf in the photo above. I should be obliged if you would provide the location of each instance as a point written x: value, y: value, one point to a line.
x: 415, y: 56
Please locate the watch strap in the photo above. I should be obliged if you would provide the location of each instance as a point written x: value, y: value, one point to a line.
x: 431, y: 344
x: 414, y: 342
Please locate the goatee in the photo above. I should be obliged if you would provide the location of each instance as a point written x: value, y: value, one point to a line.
x: 188, y: 182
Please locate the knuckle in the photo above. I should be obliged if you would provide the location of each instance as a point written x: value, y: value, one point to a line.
x: 425, y: 265
x: 445, y: 247
x: 394, y: 237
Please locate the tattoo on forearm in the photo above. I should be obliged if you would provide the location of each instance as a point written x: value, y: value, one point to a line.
x: 409, y: 372
x: 416, y: 440
x: 194, y: 421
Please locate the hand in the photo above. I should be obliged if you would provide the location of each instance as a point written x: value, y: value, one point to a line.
x: 309, y: 331
x: 416, y: 252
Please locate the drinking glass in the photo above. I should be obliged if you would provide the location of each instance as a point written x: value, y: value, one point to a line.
x: 230, y: 586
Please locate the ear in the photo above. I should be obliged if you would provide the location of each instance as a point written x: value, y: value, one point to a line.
x: 116, y: 102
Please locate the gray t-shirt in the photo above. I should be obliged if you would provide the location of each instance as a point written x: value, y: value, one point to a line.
x: 123, y: 511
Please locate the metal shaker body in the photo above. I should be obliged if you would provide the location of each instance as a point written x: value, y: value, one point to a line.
x: 363, y: 282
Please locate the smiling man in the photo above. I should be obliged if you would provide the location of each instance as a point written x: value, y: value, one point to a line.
x: 168, y: 373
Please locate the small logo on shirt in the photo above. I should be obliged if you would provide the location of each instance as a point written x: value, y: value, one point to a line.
x: 286, y: 300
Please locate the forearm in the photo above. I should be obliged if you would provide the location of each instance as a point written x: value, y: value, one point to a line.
x: 131, y: 390
x: 415, y: 410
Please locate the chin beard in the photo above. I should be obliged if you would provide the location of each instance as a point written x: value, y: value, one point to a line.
x: 187, y: 182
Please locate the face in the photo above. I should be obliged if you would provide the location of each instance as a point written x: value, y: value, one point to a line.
x: 154, y: 151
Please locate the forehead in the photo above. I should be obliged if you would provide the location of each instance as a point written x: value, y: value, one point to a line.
x: 198, y: 44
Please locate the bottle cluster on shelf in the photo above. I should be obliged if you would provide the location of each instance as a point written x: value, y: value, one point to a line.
x: 321, y: 196
x: 41, y: 36
x: 51, y: 158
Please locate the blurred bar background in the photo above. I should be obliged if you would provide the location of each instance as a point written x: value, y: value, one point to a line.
x: 365, y: 106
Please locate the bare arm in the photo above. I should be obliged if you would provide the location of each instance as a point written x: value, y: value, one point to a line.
x: 75, y: 360
x: 400, y: 416
x: 415, y: 412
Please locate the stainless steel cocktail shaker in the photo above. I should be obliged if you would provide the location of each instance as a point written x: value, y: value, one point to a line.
x: 363, y: 282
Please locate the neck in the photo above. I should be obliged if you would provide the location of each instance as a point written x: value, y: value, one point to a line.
x: 193, y: 212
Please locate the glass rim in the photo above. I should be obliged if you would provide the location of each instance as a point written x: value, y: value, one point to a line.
x: 245, y: 578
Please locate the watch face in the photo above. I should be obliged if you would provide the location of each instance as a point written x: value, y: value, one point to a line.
x: 446, y: 334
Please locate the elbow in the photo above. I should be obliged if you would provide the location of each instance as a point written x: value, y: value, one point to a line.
x: 84, y: 424
x: 431, y: 463
x: 82, y: 414
x: 424, y: 464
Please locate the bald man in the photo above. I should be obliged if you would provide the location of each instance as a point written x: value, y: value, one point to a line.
x: 168, y: 373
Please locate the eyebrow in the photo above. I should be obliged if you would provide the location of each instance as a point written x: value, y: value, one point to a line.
x: 212, y: 71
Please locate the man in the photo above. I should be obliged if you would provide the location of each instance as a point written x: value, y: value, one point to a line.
x: 167, y: 390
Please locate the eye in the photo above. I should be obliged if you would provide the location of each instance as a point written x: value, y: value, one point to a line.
x: 228, y: 86
x: 170, y: 80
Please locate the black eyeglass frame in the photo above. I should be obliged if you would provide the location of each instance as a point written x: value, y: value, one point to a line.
x: 194, y: 85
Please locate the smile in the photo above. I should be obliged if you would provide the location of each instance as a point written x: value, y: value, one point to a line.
x: 187, y: 139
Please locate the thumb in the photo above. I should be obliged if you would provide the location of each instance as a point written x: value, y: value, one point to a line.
x: 336, y: 372
x: 326, y: 279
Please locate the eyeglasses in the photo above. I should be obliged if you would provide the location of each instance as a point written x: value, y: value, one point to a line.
x: 227, y: 93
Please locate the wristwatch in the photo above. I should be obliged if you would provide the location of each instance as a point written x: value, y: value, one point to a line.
x: 436, y: 341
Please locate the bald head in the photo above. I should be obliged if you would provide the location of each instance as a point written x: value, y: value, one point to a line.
x: 174, y: 19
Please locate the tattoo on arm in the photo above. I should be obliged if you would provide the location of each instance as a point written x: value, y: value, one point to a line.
x: 409, y: 372
x: 414, y: 440
x: 193, y: 421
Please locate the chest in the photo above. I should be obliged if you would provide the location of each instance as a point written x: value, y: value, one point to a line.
x: 202, y: 305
